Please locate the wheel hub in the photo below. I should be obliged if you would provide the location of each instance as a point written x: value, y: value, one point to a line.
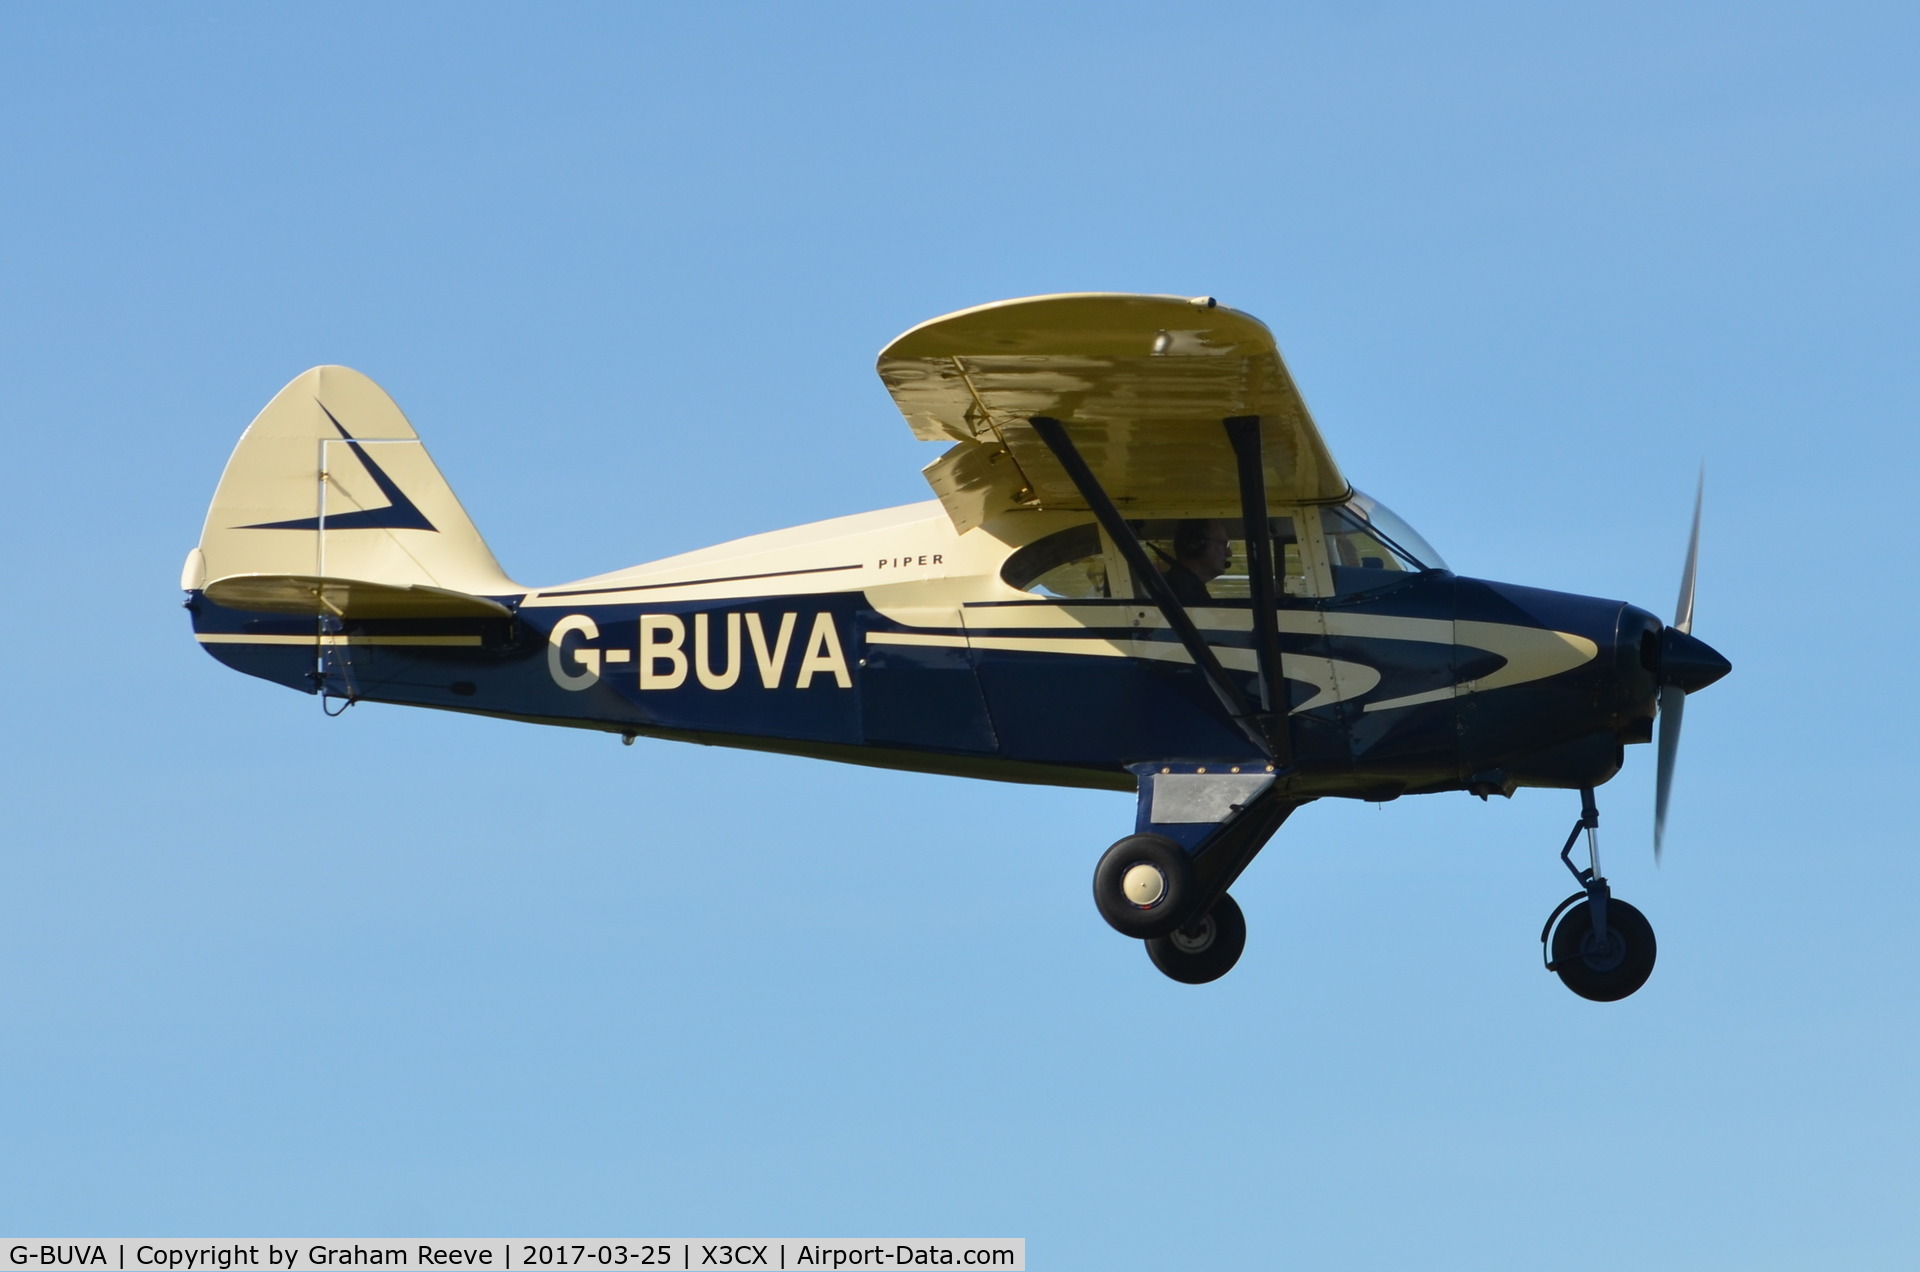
x: 1143, y: 884
x: 1603, y: 954
x: 1195, y: 939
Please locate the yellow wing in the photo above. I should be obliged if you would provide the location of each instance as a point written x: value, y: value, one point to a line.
x: 1142, y: 384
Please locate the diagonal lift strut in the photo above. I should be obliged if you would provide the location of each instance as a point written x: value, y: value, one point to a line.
x: 1244, y: 432
x: 1265, y: 727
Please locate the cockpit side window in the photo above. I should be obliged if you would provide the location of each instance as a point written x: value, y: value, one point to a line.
x: 1162, y: 541
x: 1068, y: 565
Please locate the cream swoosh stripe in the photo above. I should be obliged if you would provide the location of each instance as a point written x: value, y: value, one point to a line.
x: 1336, y: 681
x: 1053, y: 617
x: 1437, y: 631
x: 1530, y: 653
x: 936, y: 639
x: 1333, y: 681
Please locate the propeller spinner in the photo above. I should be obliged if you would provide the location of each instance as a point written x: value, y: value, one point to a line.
x: 1686, y: 666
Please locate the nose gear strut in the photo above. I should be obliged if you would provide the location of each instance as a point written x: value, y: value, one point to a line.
x: 1603, y: 949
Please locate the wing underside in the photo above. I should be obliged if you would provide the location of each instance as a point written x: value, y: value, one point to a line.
x: 1142, y: 384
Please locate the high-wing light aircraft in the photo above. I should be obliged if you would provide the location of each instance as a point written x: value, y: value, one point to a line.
x: 1143, y: 572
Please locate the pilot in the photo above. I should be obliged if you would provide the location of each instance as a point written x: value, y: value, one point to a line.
x: 1201, y: 551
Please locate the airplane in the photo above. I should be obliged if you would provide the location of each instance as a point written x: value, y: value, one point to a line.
x: 1142, y: 571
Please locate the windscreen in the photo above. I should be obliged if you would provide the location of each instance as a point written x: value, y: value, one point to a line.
x: 1403, y: 537
x: 1370, y: 548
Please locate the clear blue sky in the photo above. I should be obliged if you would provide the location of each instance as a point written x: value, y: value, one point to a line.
x: 626, y: 268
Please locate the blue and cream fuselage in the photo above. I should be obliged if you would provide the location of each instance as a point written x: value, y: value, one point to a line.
x: 890, y: 638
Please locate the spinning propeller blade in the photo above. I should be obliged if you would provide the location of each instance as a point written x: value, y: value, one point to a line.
x: 1683, y: 608
x: 1673, y: 703
x: 1686, y: 665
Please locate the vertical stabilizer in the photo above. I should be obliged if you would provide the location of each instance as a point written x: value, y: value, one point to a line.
x: 331, y: 481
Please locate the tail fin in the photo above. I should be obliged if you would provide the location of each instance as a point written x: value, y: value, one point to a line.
x: 330, y: 482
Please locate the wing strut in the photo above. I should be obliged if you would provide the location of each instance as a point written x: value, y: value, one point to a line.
x: 1244, y: 432
x: 1054, y: 434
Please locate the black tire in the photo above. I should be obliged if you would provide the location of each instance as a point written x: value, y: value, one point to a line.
x: 1204, y: 950
x: 1603, y: 973
x: 1163, y: 913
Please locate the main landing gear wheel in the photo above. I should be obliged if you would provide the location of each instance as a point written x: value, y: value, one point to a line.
x: 1603, y: 970
x: 1204, y: 950
x: 1144, y: 886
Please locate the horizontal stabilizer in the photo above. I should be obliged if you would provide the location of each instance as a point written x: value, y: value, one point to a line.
x: 346, y: 598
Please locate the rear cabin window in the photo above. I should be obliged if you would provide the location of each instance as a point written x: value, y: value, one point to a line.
x: 1069, y: 565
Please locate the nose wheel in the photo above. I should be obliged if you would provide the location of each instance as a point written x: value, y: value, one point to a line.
x: 1601, y: 948
x: 1603, y: 967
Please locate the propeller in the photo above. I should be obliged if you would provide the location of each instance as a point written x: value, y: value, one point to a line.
x: 1686, y: 666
